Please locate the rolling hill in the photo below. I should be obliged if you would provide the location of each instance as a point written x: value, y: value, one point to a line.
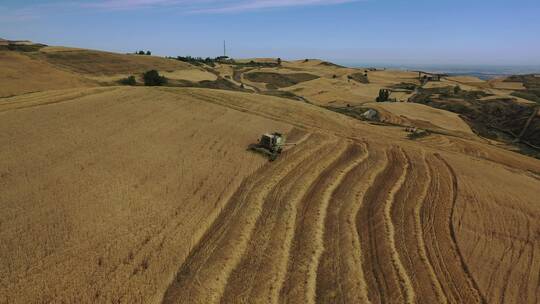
x: 149, y: 195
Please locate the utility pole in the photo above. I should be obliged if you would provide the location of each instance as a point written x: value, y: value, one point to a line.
x: 224, y: 49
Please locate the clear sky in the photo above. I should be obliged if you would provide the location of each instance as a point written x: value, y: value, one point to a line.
x: 472, y: 32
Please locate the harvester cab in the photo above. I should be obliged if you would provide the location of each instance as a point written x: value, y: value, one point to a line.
x: 272, y: 142
x: 270, y: 145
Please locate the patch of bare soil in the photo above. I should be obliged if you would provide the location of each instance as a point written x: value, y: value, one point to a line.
x: 280, y: 80
x: 284, y: 94
x: 218, y: 84
x: 359, y: 77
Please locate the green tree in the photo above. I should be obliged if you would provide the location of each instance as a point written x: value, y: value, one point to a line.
x: 148, y: 53
x: 152, y: 78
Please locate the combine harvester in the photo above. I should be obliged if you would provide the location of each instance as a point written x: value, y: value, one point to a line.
x: 270, y: 145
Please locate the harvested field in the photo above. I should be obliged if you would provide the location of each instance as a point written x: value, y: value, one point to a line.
x: 105, y: 63
x: 109, y: 184
x: 20, y: 74
x: 324, y: 91
x: 505, y: 85
x: 190, y: 75
x: 115, y: 194
x: 406, y: 113
x: 147, y: 195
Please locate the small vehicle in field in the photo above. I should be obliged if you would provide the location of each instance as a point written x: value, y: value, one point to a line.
x: 270, y: 145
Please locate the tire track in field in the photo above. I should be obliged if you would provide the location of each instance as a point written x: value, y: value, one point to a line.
x: 441, y: 248
x: 204, y: 273
x: 534, y: 283
x: 404, y: 280
x: 300, y: 281
x: 507, y: 278
x: 409, y: 237
x: 421, y: 240
x: 405, y: 284
x: 258, y: 276
x: 475, y: 290
x: 340, y: 278
x: 382, y: 277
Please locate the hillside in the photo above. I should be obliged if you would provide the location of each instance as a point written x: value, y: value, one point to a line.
x: 105, y: 63
x: 498, y: 110
x: 119, y: 194
x: 21, y: 74
x: 60, y: 68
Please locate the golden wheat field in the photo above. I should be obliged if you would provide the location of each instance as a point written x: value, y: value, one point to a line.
x: 115, y: 194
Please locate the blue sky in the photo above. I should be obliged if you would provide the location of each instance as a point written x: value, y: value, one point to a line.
x: 481, y: 32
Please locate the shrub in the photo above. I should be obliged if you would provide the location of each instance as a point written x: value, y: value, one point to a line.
x: 456, y: 108
x: 148, y: 53
x: 129, y: 81
x: 384, y: 95
x: 457, y: 89
x: 279, y: 61
x: 140, y: 53
x: 152, y: 78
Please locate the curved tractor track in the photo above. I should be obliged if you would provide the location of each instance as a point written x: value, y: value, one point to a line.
x: 334, y: 221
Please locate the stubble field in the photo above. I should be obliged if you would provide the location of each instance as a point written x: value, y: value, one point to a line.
x: 148, y: 195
